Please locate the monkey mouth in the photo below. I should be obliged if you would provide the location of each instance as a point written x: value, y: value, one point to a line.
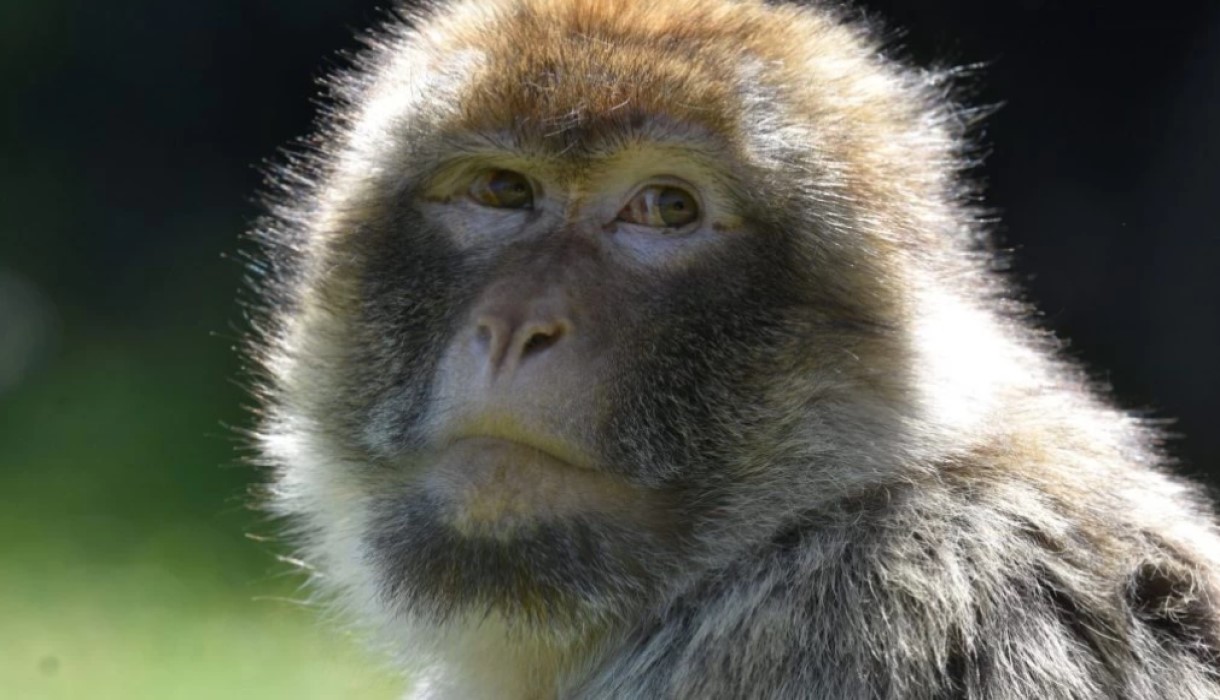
x: 494, y: 484
x: 503, y: 456
x: 515, y: 431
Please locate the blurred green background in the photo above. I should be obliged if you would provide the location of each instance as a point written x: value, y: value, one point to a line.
x: 131, y: 135
x: 130, y: 141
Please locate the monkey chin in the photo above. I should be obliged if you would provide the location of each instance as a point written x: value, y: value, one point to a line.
x: 492, y: 524
x: 498, y: 487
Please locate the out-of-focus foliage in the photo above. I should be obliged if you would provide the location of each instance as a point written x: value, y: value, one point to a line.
x: 126, y: 171
x: 124, y: 572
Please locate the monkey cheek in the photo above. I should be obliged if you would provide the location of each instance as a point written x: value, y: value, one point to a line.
x: 499, y: 488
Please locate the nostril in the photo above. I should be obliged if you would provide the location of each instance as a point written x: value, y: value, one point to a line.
x: 540, y: 340
x: 483, y: 334
x: 491, y: 339
x: 503, y: 342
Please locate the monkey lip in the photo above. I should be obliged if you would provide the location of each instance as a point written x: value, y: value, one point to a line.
x: 508, y: 433
x: 499, y: 482
x: 524, y: 447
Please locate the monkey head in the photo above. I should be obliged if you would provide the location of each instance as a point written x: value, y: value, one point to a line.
x: 568, y: 297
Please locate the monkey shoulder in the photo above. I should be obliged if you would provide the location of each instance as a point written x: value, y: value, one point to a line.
x: 954, y: 588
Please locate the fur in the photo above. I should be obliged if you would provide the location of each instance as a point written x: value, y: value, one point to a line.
x: 878, y: 477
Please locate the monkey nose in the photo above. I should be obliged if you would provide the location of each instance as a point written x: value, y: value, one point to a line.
x: 505, y: 343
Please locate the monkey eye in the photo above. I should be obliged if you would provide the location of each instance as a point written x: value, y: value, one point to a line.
x: 503, y: 189
x: 661, y: 206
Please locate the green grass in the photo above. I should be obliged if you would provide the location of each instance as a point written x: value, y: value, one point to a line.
x: 125, y: 571
x: 142, y: 632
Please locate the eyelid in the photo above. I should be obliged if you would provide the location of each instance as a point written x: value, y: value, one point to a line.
x: 661, y: 183
x: 502, y: 188
x: 452, y: 176
x: 665, y: 181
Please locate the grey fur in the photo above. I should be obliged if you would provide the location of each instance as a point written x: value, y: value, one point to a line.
x: 882, y: 481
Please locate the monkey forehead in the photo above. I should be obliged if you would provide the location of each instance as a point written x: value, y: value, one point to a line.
x: 570, y: 73
x: 806, y: 96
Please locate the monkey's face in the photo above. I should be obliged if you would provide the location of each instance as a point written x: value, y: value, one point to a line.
x: 538, y: 367
x: 552, y: 302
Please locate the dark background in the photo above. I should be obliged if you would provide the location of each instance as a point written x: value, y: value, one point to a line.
x: 131, y: 138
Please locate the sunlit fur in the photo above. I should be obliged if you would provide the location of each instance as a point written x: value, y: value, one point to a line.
x: 874, y: 477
